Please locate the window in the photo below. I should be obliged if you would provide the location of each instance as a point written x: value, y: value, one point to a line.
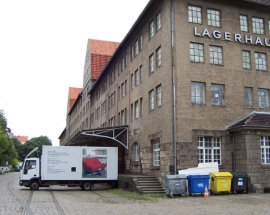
x: 158, y: 92
x: 132, y: 52
x: 217, y: 94
x: 216, y: 55
x: 131, y: 112
x: 137, y: 110
x: 126, y: 59
x: 196, y: 52
x: 263, y: 98
x: 137, y: 81
x: 141, y: 73
x: 151, y: 63
x: 141, y: 41
x: 213, y: 17
x: 141, y: 106
x: 122, y: 63
x: 265, y: 149
x: 246, y: 59
x: 209, y: 149
x: 158, y: 55
x: 156, y: 152
x: 132, y: 81
x: 151, y: 100
x: 195, y: 14
x: 136, y: 45
x: 197, y: 93
x: 249, y: 96
x: 260, y: 61
x: 257, y: 25
x: 136, y: 150
x: 158, y: 18
x: 123, y: 118
x: 243, y: 23
x: 151, y: 29
x: 123, y: 90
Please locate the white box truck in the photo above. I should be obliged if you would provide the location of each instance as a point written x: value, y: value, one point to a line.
x: 70, y: 165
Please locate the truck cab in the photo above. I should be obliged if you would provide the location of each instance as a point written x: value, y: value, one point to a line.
x: 30, y: 171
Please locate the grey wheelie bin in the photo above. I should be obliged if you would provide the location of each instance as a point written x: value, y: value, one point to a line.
x: 175, y: 185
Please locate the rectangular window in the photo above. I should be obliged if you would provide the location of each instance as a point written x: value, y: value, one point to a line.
x: 195, y: 14
x: 136, y: 45
x: 158, y: 55
x: 131, y: 112
x: 196, y: 52
x: 257, y: 25
x: 141, y: 41
x: 197, y: 93
x: 126, y: 59
x: 213, y: 17
x: 141, y: 106
x: 137, y: 110
x: 123, y: 93
x: 137, y: 81
x: 263, y: 98
x: 260, y: 61
x: 217, y: 94
x: 158, y: 18
x: 141, y: 73
x: 156, y: 152
x: 132, y: 52
x: 151, y: 63
x: 249, y: 96
x: 151, y: 100
x: 209, y: 149
x: 132, y: 81
x: 122, y: 63
x: 123, y: 122
x: 265, y: 149
x: 136, y: 152
x: 244, y: 23
x: 216, y: 55
x: 158, y: 95
x: 151, y: 29
x: 246, y: 59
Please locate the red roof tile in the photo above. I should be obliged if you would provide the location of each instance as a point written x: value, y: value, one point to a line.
x: 22, y: 139
x: 73, y: 94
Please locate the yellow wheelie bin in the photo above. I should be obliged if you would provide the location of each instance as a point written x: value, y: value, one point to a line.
x: 220, y: 182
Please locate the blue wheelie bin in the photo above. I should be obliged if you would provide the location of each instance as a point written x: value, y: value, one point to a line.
x: 197, y: 183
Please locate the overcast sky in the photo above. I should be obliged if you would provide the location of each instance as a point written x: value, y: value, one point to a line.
x: 42, y: 52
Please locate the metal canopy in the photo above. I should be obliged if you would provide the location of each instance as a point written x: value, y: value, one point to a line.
x: 98, y: 137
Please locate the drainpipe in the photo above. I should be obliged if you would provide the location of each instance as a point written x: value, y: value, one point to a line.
x: 233, y: 156
x: 173, y: 85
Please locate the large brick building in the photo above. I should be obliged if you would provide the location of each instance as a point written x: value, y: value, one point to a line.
x: 190, y: 82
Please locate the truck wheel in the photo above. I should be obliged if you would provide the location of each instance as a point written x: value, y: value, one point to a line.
x: 86, y: 185
x: 34, y: 185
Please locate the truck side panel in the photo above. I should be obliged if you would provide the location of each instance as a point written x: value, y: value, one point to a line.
x: 79, y: 163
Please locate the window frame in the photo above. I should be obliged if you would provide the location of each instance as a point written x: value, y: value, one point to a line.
x: 246, y: 60
x: 213, y: 13
x: 194, y: 89
x: 196, y: 51
x: 151, y: 29
x: 218, y: 91
x: 216, y: 55
x: 256, y: 25
x: 158, y: 56
x: 136, y: 77
x: 151, y: 100
x: 156, y: 152
x: 243, y: 23
x: 151, y: 63
x: 260, y: 62
x: 265, y: 149
x: 194, y: 16
x: 158, y: 21
x: 263, y: 98
x: 158, y: 96
x: 249, y: 100
x: 137, y: 109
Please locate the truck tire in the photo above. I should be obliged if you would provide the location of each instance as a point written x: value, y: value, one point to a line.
x: 34, y: 185
x: 86, y: 185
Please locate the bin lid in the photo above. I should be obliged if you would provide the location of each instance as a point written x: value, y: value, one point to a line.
x: 198, y: 176
x: 240, y: 174
x: 220, y: 174
x: 181, y: 176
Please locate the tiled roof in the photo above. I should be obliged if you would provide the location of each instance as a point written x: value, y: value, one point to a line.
x: 101, y: 53
x: 73, y: 94
x: 264, y: 2
x: 255, y: 119
x: 22, y: 139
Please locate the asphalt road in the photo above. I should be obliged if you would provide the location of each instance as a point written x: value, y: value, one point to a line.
x: 73, y: 201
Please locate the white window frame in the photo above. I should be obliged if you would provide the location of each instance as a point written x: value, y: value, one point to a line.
x: 137, y: 110
x: 136, y: 150
x: 137, y: 81
x: 158, y: 95
x: 197, y: 93
x: 257, y: 25
x: 265, y: 149
x: 209, y: 149
x: 158, y: 56
x: 151, y: 63
x: 158, y: 19
x: 249, y: 102
x: 132, y: 81
x: 136, y: 47
x: 123, y: 93
x: 123, y: 120
x: 218, y: 94
x: 260, y: 61
x: 216, y: 56
x: 151, y: 100
x: 141, y: 42
x: 213, y: 17
x: 194, y: 14
x: 243, y: 23
x: 263, y: 98
x: 156, y: 152
x: 246, y: 59
x: 151, y: 29
x: 196, y: 51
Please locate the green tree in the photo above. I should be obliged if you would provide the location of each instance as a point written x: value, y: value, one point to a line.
x: 32, y: 144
